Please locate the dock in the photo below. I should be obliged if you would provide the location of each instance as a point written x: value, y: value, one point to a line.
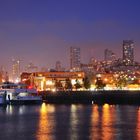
x: 90, y: 97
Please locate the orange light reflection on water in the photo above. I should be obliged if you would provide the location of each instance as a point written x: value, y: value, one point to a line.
x: 138, y: 125
x: 107, y: 120
x: 95, y: 120
x: 102, y: 121
x: 45, y: 124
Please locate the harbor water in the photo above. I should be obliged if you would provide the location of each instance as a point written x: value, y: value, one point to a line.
x: 70, y: 122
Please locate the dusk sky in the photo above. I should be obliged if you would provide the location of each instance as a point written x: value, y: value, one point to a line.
x: 42, y: 31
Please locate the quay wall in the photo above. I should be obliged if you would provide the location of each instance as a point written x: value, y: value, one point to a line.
x: 92, y: 97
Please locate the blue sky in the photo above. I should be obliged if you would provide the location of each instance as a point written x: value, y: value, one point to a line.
x: 42, y: 31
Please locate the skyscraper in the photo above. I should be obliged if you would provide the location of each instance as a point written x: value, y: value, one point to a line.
x: 75, y: 58
x: 58, y: 66
x: 16, y: 70
x: 109, y: 55
x: 128, y: 52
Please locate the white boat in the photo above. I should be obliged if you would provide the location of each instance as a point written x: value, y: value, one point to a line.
x: 2, y: 98
x: 26, y: 98
x: 19, y: 94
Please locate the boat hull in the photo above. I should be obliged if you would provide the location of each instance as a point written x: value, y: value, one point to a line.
x: 2, y: 100
x: 25, y: 102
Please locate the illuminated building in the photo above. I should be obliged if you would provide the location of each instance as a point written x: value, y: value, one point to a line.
x: 26, y: 78
x: 47, y: 80
x: 16, y: 70
x: 1, y: 77
x: 58, y: 66
x: 75, y: 58
x: 31, y: 68
x: 128, y: 52
x: 4, y: 76
x: 109, y: 55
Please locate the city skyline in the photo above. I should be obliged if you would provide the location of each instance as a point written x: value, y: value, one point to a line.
x: 43, y: 31
x: 72, y: 60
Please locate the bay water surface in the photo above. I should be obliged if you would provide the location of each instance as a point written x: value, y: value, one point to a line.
x: 70, y: 122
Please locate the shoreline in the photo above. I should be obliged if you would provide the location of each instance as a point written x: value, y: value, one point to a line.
x: 92, y: 97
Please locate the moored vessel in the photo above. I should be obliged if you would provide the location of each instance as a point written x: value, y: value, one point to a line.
x: 19, y: 94
x: 2, y: 98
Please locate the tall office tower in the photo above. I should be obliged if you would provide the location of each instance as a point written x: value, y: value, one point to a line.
x: 75, y: 58
x: 58, y: 66
x: 31, y: 68
x: 109, y: 55
x: 128, y: 52
x: 16, y: 70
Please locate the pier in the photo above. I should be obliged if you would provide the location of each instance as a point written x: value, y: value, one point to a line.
x: 92, y: 97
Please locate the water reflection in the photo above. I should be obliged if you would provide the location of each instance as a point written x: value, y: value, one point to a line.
x: 70, y: 122
x: 138, y: 125
x: 115, y: 122
x: 19, y: 110
x: 18, y: 122
x: 126, y: 122
x: 62, y: 119
x: 9, y: 110
x: 102, y: 119
x: 46, y: 123
x: 80, y: 122
x: 95, y: 119
x: 108, y: 119
x: 73, y: 123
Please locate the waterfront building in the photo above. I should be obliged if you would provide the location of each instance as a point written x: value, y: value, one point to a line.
x: 128, y: 52
x: 26, y: 78
x: 75, y: 59
x: 48, y: 80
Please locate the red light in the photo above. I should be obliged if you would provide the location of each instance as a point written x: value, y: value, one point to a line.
x: 30, y: 87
